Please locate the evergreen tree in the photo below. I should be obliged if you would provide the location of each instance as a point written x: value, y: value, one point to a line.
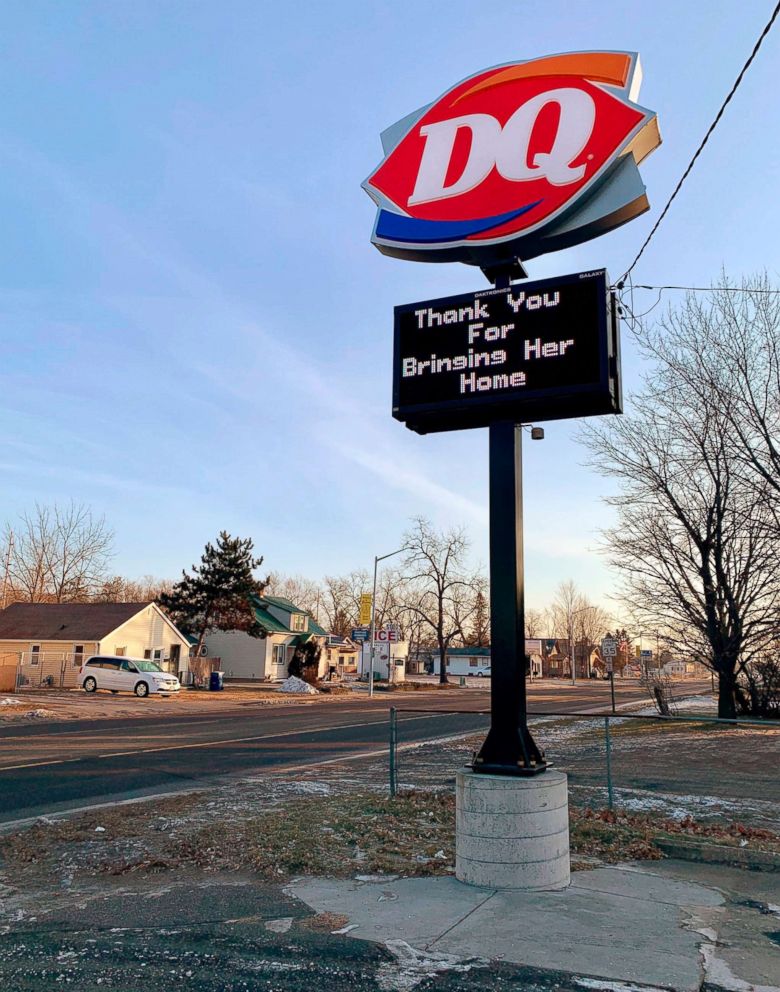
x: 216, y: 595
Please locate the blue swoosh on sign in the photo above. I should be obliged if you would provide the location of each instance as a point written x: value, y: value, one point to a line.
x: 398, y: 227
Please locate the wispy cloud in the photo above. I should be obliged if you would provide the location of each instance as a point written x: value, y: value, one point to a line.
x: 412, y: 481
x: 313, y: 395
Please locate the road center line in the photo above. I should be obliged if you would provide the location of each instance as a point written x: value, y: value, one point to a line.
x: 260, y: 737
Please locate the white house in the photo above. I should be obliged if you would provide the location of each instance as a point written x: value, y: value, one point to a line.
x: 466, y: 661
x: 471, y: 661
x: 285, y: 625
x: 51, y: 640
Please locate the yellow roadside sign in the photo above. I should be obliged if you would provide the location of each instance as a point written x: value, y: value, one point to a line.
x: 365, y: 608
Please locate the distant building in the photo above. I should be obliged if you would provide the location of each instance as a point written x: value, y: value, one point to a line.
x: 476, y: 660
x: 51, y: 640
x: 286, y: 626
x: 467, y: 661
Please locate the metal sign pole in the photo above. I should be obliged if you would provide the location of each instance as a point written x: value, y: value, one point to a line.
x: 509, y: 748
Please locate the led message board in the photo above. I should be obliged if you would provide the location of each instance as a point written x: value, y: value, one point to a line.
x: 535, y: 351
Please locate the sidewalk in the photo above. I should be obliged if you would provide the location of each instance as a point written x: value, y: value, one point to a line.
x: 671, y: 925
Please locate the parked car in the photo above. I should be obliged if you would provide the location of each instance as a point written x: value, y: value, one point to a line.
x: 138, y: 675
x: 482, y: 672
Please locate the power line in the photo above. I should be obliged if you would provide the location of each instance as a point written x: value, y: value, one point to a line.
x: 706, y: 138
x: 713, y: 289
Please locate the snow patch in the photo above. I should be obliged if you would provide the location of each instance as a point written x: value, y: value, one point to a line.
x: 705, y: 705
x: 717, y: 972
x: 294, y: 684
x: 412, y: 966
x: 10, y: 702
x: 279, y: 926
x: 602, y: 986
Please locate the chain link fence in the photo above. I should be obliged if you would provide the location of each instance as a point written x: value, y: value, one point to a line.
x: 697, y: 766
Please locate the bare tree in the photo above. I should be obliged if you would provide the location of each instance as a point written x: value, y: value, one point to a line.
x: 437, y: 587
x: 118, y: 589
x: 535, y: 624
x: 590, y: 626
x: 298, y: 589
x: 696, y: 539
x: 479, y: 628
x: 59, y: 553
x: 567, y: 604
x: 726, y: 346
x: 339, y: 604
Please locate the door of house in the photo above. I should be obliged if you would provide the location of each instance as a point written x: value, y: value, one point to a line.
x: 279, y: 661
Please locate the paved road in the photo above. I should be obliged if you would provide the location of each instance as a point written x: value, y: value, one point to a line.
x: 59, y: 766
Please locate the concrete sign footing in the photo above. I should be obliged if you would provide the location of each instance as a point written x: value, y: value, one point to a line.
x: 512, y: 832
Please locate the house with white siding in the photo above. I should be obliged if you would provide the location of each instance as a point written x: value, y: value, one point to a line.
x: 286, y: 627
x: 50, y: 641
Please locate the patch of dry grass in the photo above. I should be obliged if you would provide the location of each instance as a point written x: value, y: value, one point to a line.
x: 43, y: 838
x: 335, y: 836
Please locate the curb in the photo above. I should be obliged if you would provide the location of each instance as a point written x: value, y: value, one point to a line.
x: 719, y: 854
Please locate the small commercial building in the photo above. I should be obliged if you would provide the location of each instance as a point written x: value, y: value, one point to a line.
x: 390, y: 655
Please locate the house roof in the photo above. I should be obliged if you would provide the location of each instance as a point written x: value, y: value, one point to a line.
x: 285, y: 604
x: 64, y: 621
x: 269, y: 622
x: 469, y: 651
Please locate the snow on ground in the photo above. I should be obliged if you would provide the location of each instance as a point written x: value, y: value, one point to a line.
x: 293, y: 684
x: 675, y: 806
x: 703, y: 705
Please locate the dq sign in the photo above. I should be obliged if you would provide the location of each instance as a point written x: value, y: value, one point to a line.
x: 516, y: 161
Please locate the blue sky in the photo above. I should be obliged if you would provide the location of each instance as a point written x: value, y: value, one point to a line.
x: 196, y: 332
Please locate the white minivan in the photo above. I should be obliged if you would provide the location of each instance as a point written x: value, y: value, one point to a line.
x: 138, y: 675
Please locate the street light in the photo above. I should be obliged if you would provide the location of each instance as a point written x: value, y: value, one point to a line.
x: 377, y: 559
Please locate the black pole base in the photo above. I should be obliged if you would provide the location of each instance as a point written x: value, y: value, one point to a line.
x: 516, y: 754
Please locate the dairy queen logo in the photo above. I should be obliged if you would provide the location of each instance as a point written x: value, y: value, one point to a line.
x: 516, y: 161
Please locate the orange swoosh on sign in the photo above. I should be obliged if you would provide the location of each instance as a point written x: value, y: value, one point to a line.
x: 601, y: 67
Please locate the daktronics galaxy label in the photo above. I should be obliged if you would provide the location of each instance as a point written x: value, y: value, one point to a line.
x: 545, y: 350
x: 516, y: 160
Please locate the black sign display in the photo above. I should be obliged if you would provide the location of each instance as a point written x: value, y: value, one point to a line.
x: 536, y: 351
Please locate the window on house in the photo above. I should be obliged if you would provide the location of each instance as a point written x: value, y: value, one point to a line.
x: 120, y: 652
x: 78, y: 655
x: 148, y: 653
x: 473, y: 662
x: 298, y: 622
x: 35, y: 654
x: 280, y: 654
